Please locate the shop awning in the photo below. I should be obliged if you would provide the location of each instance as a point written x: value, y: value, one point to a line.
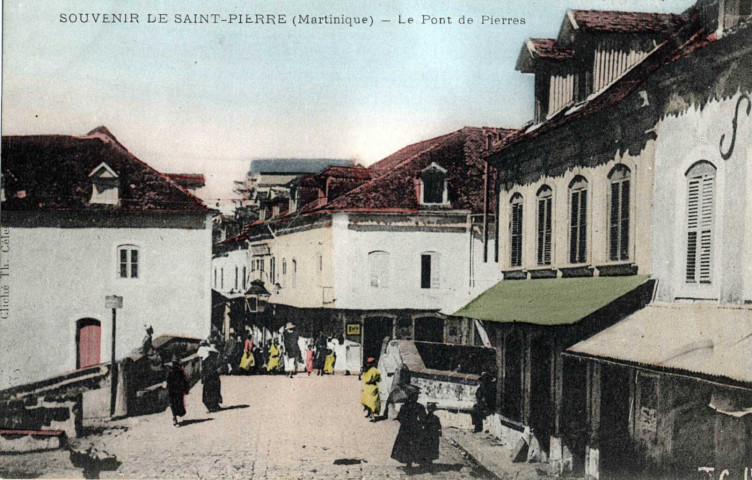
x: 562, y: 301
x: 703, y: 340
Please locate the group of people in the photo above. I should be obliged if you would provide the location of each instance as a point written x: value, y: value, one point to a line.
x: 420, y: 429
x: 280, y: 355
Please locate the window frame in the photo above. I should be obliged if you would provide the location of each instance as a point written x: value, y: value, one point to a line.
x: 621, y: 178
x: 431, y: 169
x: 578, y: 252
x: 701, y: 171
x: 129, y: 249
x: 516, y: 230
x: 379, y: 272
x: 434, y: 273
x: 544, y: 237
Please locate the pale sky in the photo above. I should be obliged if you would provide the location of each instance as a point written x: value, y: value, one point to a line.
x: 209, y: 98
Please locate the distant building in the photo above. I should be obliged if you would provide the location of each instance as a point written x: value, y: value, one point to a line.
x: 265, y: 191
x: 366, y: 254
x: 82, y: 218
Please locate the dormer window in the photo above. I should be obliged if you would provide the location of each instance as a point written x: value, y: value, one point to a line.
x: 105, y: 185
x: 433, y: 186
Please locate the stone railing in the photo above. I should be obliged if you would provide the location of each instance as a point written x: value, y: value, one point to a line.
x: 451, y: 390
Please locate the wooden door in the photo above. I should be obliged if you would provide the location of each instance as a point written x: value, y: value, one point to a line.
x: 88, y: 343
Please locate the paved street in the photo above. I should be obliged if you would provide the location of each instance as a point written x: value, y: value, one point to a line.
x: 272, y: 428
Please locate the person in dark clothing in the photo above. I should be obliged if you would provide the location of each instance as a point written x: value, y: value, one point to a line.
x: 485, y: 401
x: 321, y: 346
x: 431, y: 434
x: 408, y: 445
x: 210, y: 369
x: 292, y: 349
x: 177, y: 388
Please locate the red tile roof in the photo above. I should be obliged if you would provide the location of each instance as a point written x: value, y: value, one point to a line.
x: 547, y: 48
x: 188, y: 180
x: 357, y: 173
x: 688, y: 40
x: 603, y: 21
x: 401, y: 155
x: 395, y: 188
x: 51, y: 172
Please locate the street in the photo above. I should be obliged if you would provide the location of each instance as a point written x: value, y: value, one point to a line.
x: 271, y: 427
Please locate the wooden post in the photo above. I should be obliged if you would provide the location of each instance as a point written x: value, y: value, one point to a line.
x: 557, y: 391
x: 499, y: 337
x: 113, y: 366
x: 526, y: 378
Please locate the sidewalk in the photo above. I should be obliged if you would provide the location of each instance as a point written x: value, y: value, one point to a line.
x: 488, y: 452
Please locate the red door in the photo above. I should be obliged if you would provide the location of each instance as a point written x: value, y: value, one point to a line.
x: 89, y: 336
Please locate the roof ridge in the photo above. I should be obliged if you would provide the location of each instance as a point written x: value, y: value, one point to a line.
x: 396, y: 167
x: 105, y: 135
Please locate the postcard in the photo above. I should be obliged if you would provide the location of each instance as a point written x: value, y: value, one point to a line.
x: 374, y: 240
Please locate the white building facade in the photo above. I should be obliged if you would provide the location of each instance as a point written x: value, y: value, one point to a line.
x: 65, y: 252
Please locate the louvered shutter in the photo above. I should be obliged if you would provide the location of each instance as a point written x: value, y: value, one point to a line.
x: 573, y: 216
x: 541, y: 230
x: 435, y: 261
x: 516, y: 235
x: 547, y: 234
x: 700, y: 206
x: 582, y: 237
x: 624, y: 226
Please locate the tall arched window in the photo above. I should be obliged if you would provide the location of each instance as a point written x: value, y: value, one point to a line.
x: 129, y: 259
x: 700, y: 210
x: 515, y: 230
x: 378, y: 264
x: 294, y: 281
x: 578, y: 190
x: 545, y: 201
x: 618, y: 216
x: 284, y: 272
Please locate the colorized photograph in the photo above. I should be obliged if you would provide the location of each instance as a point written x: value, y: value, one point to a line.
x: 405, y: 239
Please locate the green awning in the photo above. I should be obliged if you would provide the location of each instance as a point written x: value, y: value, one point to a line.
x: 557, y: 301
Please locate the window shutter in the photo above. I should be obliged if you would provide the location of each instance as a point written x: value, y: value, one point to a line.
x: 582, y: 250
x: 624, y: 237
x: 541, y: 230
x: 575, y: 201
x: 707, y: 229
x: 434, y: 270
x: 547, y: 236
x: 134, y: 263
x: 614, y: 222
x: 516, y: 235
x: 700, y: 206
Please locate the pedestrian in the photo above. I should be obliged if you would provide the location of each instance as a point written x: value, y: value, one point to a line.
x: 408, y: 445
x: 309, y: 359
x: 321, y: 347
x: 485, y: 401
x: 272, y: 364
x: 177, y: 388
x: 210, y: 369
x: 329, y: 361
x: 292, y: 349
x: 248, y: 361
x: 398, y: 393
x: 431, y: 434
x: 370, y: 399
